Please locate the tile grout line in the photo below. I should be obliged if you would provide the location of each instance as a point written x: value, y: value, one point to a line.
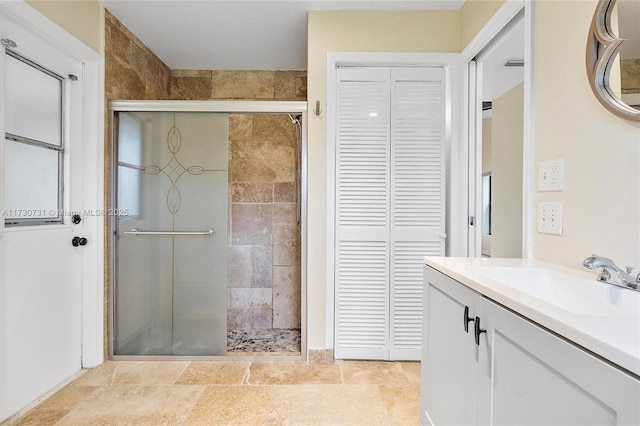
x: 184, y: 369
x: 247, y: 375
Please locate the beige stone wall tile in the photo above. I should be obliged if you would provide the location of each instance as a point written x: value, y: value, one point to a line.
x: 118, y: 42
x: 252, y: 224
x: 252, y: 192
x: 258, y: 84
x: 144, y: 64
x: 286, y: 297
x: 191, y: 87
x: 257, y: 161
x: 122, y: 81
x: 291, y: 85
x: 239, y: 266
x: 232, y: 405
x: 239, y: 319
x: 240, y: 127
x: 285, y: 213
x: 249, y: 267
x: 250, y: 298
x: 285, y: 192
x: 214, y: 373
x: 241, y: 84
x: 286, y: 245
x: 630, y: 75
x: 274, y: 127
x: 262, y: 318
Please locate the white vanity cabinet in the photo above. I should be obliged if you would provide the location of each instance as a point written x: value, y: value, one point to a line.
x: 516, y: 373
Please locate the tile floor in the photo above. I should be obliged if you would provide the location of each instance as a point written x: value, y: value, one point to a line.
x: 235, y: 392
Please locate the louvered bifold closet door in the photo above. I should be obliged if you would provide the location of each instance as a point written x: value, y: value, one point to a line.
x: 362, y: 211
x: 417, y: 198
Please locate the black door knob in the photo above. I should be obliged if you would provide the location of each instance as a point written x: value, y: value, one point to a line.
x: 79, y: 241
x: 76, y: 218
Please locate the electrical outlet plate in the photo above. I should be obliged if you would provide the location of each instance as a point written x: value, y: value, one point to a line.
x: 550, y: 218
x: 551, y: 175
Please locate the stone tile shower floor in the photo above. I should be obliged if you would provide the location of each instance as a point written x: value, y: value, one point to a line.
x: 235, y: 392
x: 264, y: 341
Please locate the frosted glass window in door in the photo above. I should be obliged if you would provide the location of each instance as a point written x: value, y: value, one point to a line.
x: 31, y: 181
x: 33, y: 101
x: 33, y: 143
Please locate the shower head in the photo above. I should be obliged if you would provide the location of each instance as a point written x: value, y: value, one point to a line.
x: 295, y: 119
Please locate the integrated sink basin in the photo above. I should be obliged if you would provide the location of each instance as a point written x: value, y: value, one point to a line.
x: 572, y: 291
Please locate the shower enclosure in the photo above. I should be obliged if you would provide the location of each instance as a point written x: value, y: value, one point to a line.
x: 207, y: 249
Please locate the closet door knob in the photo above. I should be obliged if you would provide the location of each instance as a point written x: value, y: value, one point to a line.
x: 467, y: 319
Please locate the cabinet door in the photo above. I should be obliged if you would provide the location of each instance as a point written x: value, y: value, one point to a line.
x: 534, y: 377
x: 449, y: 357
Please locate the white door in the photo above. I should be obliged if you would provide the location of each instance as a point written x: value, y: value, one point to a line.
x: 41, y: 180
x: 390, y: 203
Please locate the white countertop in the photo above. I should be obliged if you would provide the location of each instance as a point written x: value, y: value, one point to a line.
x: 600, y: 317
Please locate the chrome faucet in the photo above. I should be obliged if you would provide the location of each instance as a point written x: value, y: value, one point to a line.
x: 620, y: 277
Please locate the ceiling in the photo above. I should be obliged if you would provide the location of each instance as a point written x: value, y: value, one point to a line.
x: 238, y: 34
x: 498, y: 79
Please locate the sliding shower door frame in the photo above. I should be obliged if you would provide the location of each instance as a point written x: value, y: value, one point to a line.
x: 230, y: 107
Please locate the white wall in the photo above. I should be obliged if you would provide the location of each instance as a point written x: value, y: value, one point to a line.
x: 601, y: 194
x: 506, y: 173
x: 486, y: 168
x: 83, y: 19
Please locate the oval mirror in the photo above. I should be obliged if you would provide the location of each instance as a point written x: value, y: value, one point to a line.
x: 613, y: 57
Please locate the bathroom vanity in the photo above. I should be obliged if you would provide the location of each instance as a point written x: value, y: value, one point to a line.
x: 515, y: 341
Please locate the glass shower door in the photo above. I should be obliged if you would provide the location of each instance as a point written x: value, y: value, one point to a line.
x: 171, y: 242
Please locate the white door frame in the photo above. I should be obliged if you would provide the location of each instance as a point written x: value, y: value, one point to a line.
x: 93, y: 179
x: 356, y: 59
x: 471, y: 79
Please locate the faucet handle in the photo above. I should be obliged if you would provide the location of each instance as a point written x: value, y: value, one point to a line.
x: 604, y: 275
x: 629, y: 269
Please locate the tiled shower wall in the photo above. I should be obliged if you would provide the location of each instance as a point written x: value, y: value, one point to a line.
x: 133, y: 71
x: 264, y: 237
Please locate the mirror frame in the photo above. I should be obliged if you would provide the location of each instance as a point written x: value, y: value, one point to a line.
x: 602, y: 47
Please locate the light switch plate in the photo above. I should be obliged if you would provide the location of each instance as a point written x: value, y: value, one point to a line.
x: 551, y: 175
x: 550, y: 218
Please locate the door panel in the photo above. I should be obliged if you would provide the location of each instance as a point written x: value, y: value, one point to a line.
x: 40, y: 270
x: 171, y: 290
x: 390, y: 210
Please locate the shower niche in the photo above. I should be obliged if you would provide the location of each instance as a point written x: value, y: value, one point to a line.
x: 207, y: 243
